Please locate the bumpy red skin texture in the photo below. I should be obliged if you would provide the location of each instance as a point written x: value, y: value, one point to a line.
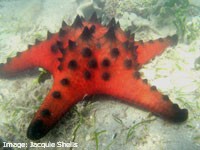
x: 122, y: 79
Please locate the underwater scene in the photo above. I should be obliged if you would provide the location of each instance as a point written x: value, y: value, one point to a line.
x: 100, y: 74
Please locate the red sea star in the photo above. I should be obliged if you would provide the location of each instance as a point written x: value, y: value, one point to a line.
x: 88, y: 58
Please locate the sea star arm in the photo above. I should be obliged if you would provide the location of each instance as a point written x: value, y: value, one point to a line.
x: 148, y: 50
x: 43, y: 54
x: 58, y: 101
x: 133, y: 90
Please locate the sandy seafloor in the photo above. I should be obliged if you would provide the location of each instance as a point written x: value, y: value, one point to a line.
x: 104, y: 123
